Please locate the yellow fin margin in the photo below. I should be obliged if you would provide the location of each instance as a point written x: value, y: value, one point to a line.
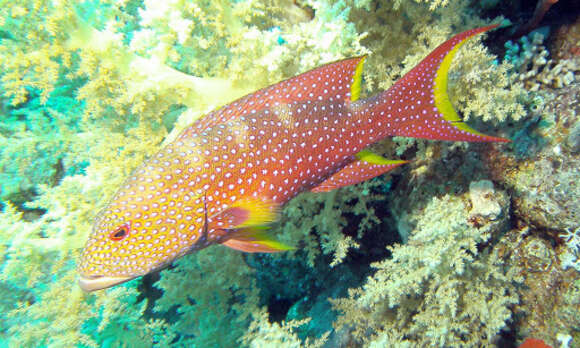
x: 442, y: 101
x: 357, y: 80
x: 373, y: 158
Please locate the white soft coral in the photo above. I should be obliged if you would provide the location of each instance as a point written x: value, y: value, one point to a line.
x: 570, y: 258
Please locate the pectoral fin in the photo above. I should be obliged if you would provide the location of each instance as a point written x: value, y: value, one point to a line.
x: 255, y: 240
x: 246, y: 212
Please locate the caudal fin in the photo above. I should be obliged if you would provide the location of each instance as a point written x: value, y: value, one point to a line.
x: 418, y: 105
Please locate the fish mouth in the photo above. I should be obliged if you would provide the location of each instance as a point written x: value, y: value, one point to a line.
x: 98, y: 282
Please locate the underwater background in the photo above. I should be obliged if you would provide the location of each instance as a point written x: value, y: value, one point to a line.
x: 468, y: 245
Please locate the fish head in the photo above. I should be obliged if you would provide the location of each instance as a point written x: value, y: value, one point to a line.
x: 151, y: 221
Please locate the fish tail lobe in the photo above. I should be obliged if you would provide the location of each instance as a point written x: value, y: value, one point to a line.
x: 418, y: 104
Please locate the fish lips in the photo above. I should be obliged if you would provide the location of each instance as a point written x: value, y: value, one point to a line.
x: 94, y: 283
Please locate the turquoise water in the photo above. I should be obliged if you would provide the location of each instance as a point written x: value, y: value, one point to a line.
x: 469, y: 244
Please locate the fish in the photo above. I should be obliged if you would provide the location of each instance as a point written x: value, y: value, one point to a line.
x: 534, y: 343
x: 226, y: 176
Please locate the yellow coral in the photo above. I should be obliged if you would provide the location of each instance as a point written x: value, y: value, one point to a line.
x: 433, y: 4
x: 262, y: 333
x: 438, y: 276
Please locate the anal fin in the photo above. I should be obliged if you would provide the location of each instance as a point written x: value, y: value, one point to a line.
x: 367, y: 166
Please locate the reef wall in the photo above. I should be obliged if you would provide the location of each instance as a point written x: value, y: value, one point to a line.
x: 468, y: 245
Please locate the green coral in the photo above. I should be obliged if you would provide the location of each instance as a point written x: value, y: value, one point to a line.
x: 66, y: 317
x: 212, y: 290
x: 262, y: 333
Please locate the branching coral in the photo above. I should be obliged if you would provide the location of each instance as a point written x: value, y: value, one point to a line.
x: 531, y: 61
x: 262, y: 333
x: 118, y: 122
x: 63, y: 316
x: 318, y: 220
x: 437, y: 289
x: 213, y: 289
x: 90, y: 89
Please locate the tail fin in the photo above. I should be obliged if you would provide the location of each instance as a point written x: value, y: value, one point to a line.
x: 418, y: 105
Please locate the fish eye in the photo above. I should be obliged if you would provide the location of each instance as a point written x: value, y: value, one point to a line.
x: 120, y: 233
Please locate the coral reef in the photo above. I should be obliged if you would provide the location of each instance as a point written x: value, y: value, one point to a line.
x: 550, y: 302
x: 469, y: 243
x: 542, y: 182
x: 535, y: 68
x: 439, y: 276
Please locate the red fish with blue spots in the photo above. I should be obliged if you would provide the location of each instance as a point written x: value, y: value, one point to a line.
x: 228, y: 174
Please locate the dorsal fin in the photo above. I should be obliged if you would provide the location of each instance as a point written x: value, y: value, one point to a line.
x: 357, y: 80
x: 334, y: 81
